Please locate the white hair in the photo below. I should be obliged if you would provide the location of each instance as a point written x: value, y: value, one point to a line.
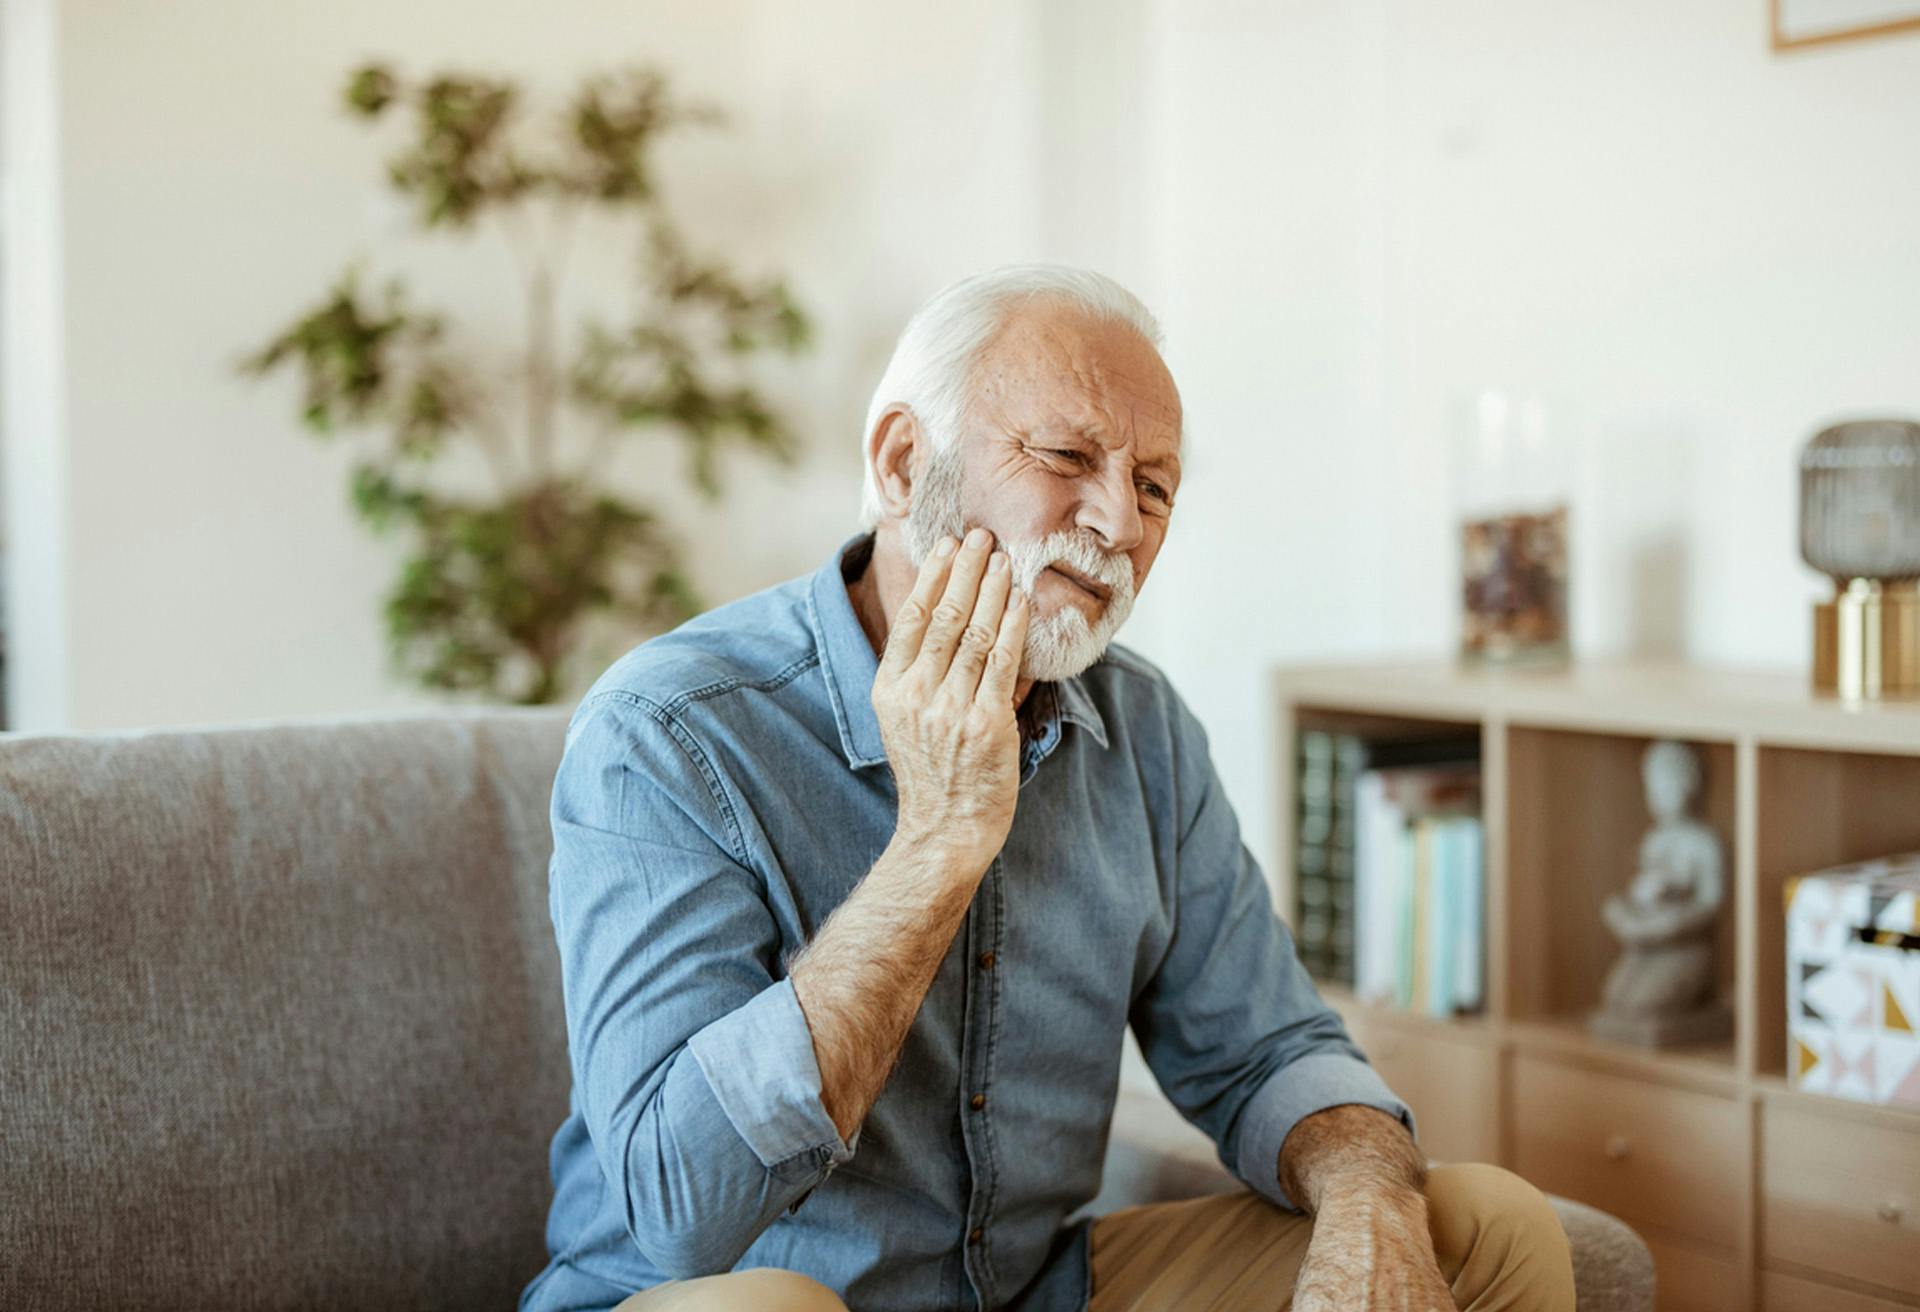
x: 931, y: 372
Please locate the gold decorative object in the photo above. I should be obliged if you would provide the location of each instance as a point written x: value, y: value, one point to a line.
x: 1860, y: 525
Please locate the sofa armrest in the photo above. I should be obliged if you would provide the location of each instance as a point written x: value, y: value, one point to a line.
x: 1612, y: 1268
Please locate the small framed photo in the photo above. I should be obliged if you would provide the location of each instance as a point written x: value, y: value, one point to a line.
x: 1816, y: 22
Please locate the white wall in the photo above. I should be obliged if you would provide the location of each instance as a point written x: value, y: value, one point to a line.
x: 32, y: 394
x: 212, y: 190
x: 1348, y: 212
x: 1702, y: 250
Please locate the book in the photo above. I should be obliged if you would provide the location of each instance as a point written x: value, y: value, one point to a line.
x: 1470, y: 925
x: 1328, y: 927
x: 1419, y: 910
x: 1377, y: 865
x: 1314, y: 855
x: 1442, y: 916
x: 1419, y: 914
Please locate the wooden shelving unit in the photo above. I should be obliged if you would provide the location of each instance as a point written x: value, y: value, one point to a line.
x: 1751, y: 1195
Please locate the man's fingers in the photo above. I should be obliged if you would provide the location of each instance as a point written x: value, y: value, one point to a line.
x: 955, y: 607
x: 983, y: 628
x: 1003, y: 662
x: 910, y: 621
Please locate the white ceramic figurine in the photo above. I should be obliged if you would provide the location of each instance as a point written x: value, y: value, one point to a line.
x: 1662, y: 989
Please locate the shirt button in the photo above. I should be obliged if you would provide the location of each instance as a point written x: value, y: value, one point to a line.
x: 979, y: 1101
x: 977, y: 1235
x: 986, y: 961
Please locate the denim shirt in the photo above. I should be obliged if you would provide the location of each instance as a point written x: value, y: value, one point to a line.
x: 723, y: 788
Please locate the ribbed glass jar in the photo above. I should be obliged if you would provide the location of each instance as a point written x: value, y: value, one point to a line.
x: 1860, y: 501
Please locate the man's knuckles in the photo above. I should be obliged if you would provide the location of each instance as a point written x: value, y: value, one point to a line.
x: 948, y: 616
x: 977, y: 638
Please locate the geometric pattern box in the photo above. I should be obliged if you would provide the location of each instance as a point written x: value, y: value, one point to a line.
x: 1853, y: 981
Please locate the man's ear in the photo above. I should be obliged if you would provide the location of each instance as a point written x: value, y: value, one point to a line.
x: 893, y: 448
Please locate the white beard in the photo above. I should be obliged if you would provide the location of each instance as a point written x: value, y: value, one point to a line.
x: 1059, y: 645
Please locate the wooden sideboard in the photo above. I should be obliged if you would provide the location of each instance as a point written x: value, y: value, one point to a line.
x: 1750, y: 1193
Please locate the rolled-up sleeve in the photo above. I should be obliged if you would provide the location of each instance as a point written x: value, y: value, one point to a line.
x: 759, y: 1062
x: 1230, y: 1022
x: 693, y: 1065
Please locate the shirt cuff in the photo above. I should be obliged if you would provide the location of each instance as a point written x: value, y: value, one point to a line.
x: 1313, y: 1083
x: 759, y: 1061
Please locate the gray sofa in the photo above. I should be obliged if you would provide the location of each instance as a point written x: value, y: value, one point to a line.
x: 280, y: 1022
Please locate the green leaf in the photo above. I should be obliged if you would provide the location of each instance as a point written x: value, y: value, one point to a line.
x: 370, y: 89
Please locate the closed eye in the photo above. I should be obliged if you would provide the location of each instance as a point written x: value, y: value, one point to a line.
x: 1083, y: 458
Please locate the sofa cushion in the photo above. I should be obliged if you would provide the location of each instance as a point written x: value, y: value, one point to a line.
x: 280, y: 1019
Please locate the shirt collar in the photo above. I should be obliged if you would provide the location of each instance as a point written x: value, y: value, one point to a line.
x: 1073, y: 704
x: 849, y: 665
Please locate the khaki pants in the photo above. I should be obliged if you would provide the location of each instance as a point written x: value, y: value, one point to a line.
x: 1499, y: 1245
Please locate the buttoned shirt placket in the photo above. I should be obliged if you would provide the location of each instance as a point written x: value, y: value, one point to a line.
x: 986, y: 917
x: 980, y: 1019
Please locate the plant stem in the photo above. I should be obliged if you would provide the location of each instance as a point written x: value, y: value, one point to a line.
x: 540, y: 391
x: 566, y: 214
x: 566, y: 218
x: 523, y: 251
x: 591, y: 466
x: 498, y: 450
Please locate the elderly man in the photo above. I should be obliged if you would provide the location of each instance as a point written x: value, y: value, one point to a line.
x: 858, y: 883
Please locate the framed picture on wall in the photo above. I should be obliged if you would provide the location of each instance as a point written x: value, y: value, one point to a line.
x: 1815, y: 22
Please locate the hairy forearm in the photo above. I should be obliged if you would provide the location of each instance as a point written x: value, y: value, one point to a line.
x: 1350, y: 1151
x: 1357, y: 1171
x: 862, y: 978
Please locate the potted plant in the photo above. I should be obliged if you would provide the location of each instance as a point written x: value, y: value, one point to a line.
x: 496, y: 590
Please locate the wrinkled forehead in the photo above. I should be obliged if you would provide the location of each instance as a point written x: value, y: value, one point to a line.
x: 1056, y: 368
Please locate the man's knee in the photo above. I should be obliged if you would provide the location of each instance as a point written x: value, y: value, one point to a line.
x: 1489, y: 1225
x: 787, y: 1291
x: 1491, y: 1193
x: 763, y: 1288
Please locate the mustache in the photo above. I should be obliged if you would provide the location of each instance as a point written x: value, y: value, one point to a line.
x: 1076, y: 550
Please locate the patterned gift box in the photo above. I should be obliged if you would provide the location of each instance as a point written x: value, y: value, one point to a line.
x: 1853, y: 981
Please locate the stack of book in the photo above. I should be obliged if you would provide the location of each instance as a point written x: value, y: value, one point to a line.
x: 1323, y: 872
x: 1388, y: 868
x: 1421, y: 936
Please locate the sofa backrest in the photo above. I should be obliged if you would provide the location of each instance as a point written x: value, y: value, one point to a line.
x: 280, y: 1013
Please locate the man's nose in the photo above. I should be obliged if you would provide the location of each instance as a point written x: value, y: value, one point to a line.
x: 1110, y: 509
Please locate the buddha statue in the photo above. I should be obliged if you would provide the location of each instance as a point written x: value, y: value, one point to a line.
x: 1662, y: 990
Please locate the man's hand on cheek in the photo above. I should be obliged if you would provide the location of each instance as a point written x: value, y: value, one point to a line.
x: 1357, y: 1171
x: 943, y: 698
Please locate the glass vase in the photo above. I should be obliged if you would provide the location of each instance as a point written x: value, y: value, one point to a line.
x: 1511, y: 497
